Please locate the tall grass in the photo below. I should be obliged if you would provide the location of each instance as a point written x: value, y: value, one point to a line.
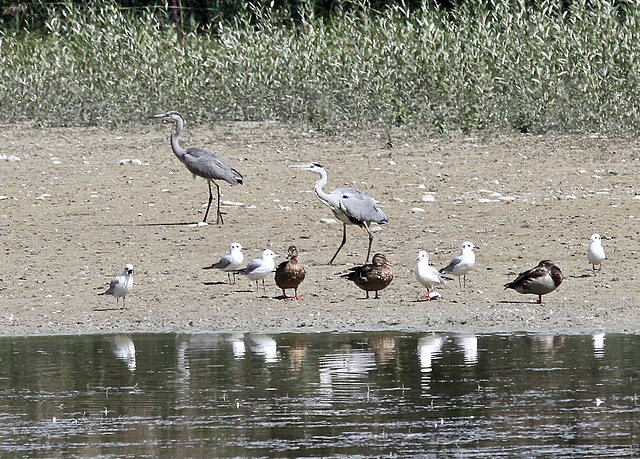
x: 499, y: 65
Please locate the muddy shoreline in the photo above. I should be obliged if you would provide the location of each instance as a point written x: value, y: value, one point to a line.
x: 81, y: 202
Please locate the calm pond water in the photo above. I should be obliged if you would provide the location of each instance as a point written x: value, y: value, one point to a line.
x: 322, y: 395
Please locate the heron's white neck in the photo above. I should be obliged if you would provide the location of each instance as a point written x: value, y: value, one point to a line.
x: 322, y: 181
x: 175, y: 146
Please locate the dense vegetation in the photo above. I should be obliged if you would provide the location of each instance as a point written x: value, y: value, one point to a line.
x: 495, y: 64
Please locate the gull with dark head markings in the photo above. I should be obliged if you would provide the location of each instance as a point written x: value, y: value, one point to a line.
x: 120, y: 286
x: 350, y: 206
x: 230, y: 262
x: 260, y: 268
x: 461, y: 264
x: 201, y: 163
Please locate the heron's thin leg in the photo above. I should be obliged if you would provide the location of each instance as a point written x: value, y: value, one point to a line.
x: 219, y: 219
x: 366, y: 226
x: 344, y: 241
x: 210, y: 199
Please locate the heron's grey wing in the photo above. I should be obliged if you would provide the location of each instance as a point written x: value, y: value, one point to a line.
x: 359, y: 207
x: 209, y: 165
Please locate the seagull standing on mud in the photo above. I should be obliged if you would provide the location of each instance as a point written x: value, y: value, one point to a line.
x: 230, y: 262
x: 260, y: 268
x: 201, y: 163
x: 427, y: 275
x: 595, y: 253
x: 461, y: 264
x: 121, y: 285
x: 543, y: 279
x: 350, y: 206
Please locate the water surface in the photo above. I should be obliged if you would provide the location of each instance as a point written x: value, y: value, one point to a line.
x: 323, y: 395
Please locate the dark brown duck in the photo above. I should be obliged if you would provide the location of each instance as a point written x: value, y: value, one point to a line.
x: 290, y: 274
x: 372, y: 277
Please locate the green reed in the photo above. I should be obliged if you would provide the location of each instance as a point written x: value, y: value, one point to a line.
x: 498, y: 65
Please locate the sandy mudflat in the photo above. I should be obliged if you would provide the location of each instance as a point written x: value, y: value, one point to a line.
x: 71, y: 216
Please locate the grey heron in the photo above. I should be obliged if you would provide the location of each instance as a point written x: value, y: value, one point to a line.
x: 120, y: 286
x: 350, y: 206
x: 201, y: 163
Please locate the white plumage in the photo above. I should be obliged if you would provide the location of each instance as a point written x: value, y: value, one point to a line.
x: 595, y: 253
x: 230, y: 262
x: 461, y: 264
x: 427, y: 275
x: 260, y: 268
x: 120, y: 286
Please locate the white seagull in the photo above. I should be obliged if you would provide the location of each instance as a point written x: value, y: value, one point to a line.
x: 121, y: 285
x: 461, y: 264
x: 595, y: 253
x: 260, y: 268
x: 230, y: 262
x: 427, y: 275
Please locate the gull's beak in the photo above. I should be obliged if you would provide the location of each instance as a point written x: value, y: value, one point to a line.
x: 299, y: 166
x: 159, y: 115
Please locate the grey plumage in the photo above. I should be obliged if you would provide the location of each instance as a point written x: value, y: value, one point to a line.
x: 120, y: 286
x: 201, y: 163
x: 350, y: 206
x: 230, y: 262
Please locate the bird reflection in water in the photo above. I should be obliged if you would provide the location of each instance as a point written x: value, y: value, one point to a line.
x: 124, y: 349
